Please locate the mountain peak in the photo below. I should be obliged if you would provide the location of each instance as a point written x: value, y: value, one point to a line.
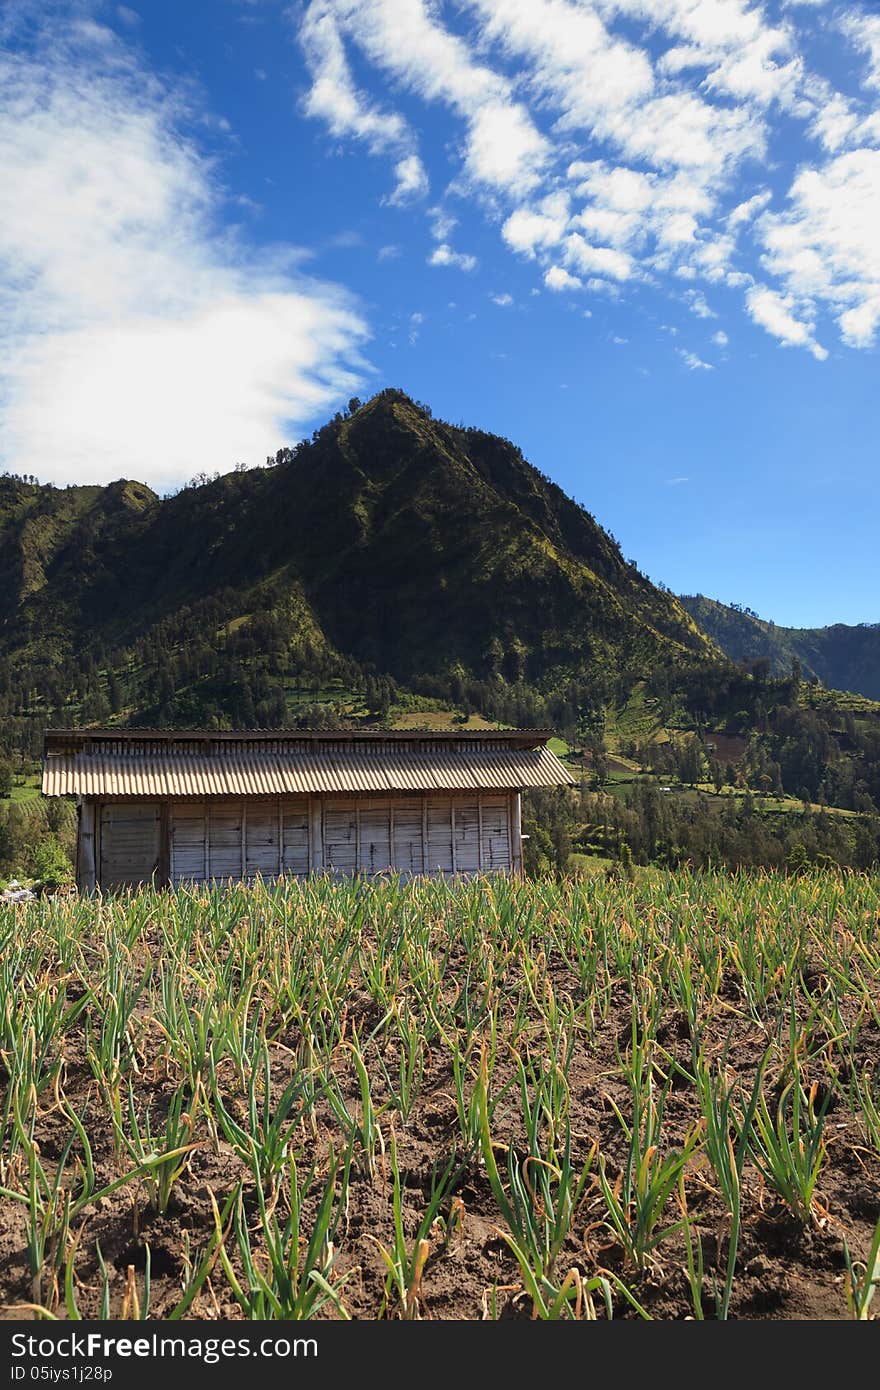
x: 397, y: 541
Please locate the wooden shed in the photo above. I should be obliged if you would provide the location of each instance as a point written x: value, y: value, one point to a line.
x: 190, y: 807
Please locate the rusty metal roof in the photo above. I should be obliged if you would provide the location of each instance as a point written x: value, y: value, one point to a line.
x: 289, y: 770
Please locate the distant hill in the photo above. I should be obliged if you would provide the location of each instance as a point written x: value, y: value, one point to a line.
x: 841, y: 657
x: 391, y: 544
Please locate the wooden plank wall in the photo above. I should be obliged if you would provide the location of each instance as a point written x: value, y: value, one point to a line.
x: 86, y: 857
x: 186, y: 842
x: 129, y: 843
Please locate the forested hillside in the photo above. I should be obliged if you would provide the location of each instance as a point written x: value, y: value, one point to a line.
x: 390, y: 550
x: 394, y: 568
x: 842, y: 657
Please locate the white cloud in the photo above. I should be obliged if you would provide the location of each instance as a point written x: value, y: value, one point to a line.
x: 597, y: 286
x: 680, y: 98
x: 712, y: 259
x: 826, y: 249
x: 777, y: 314
x: 698, y: 305
x: 503, y: 149
x: 442, y: 223
x: 835, y: 122
x: 333, y: 95
x: 573, y: 61
x: 558, y: 278
x: 863, y: 31
x: 137, y: 338
x: 530, y: 229
x: 693, y: 362
x: 739, y: 54
x: 503, y: 300
x: 720, y: 339
x: 678, y: 130
x: 597, y: 260
x: 443, y: 255
x: 748, y: 210
x: 412, y: 181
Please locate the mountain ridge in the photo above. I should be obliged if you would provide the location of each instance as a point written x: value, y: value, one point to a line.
x: 841, y: 656
x: 397, y: 569
x: 406, y: 545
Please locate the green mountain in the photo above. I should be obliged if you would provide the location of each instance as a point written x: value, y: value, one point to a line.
x: 391, y: 546
x: 841, y: 657
x: 394, y: 567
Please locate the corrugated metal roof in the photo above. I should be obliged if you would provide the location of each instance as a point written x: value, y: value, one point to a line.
x: 76, y: 738
x: 164, y: 772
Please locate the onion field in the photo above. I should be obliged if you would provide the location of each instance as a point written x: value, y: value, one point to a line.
x: 481, y: 1099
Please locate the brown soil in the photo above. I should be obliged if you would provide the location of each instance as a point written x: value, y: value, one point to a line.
x: 729, y: 748
x: 785, y: 1269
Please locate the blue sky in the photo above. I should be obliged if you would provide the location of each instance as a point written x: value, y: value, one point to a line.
x: 641, y: 238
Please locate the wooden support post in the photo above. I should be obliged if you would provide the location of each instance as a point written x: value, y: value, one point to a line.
x: 480, y: 833
x: 452, y: 833
x: 163, y: 866
x: 86, y: 874
x: 516, y: 832
x: 357, y: 837
x: 391, y: 854
x: 99, y: 842
x: 206, y: 821
x: 280, y: 836
x: 316, y: 838
x: 425, y: 866
x: 243, y: 841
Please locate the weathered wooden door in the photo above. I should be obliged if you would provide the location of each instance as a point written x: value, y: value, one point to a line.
x: 374, y: 840
x: 495, y: 817
x: 295, y: 857
x: 262, y: 825
x: 466, y: 841
x: 340, y: 836
x: 129, y: 845
x: 438, y: 846
x: 407, y: 850
x: 189, y: 843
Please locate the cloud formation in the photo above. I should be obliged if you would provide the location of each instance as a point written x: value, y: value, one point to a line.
x: 138, y: 338
x: 444, y: 255
x: 625, y: 144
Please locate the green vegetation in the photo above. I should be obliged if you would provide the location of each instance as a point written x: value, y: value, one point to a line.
x: 842, y: 657
x: 389, y: 556
x: 37, y: 841
x: 652, y: 1097
x: 793, y: 782
x: 396, y: 569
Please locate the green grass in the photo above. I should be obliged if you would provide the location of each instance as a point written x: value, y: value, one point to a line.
x: 816, y: 697
x: 443, y: 718
x: 618, y: 782
x: 588, y: 864
x: 24, y: 792
x: 637, y: 719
